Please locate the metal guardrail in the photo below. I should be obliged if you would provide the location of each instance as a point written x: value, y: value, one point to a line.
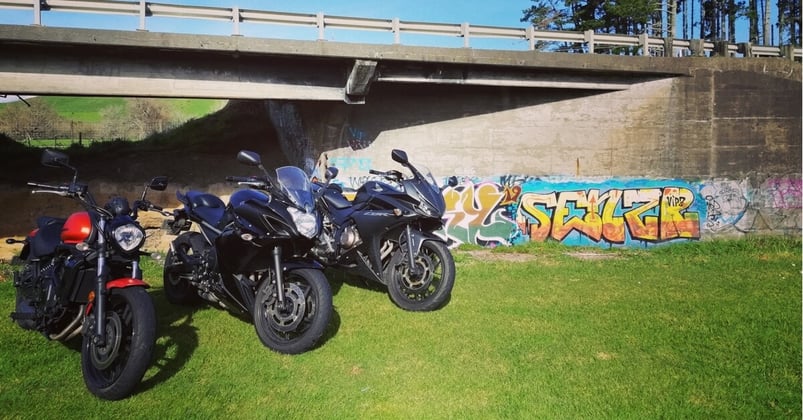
x: 587, y: 41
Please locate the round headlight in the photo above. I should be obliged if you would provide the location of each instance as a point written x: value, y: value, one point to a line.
x: 129, y: 237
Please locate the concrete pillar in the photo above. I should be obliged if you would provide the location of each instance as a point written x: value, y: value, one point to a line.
x: 669, y: 48
x: 697, y: 47
x: 721, y: 49
x: 746, y: 49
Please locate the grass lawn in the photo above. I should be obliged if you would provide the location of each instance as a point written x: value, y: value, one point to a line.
x: 694, y: 330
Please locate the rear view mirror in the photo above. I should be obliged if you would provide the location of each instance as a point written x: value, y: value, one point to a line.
x: 399, y: 156
x: 331, y: 173
x: 158, y: 183
x: 54, y: 159
x: 248, y: 157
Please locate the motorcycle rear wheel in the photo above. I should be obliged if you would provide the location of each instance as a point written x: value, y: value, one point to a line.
x: 298, y: 326
x: 177, y: 287
x: 430, y: 290
x: 114, y: 370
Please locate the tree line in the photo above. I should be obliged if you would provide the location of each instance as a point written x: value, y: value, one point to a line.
x: 713, y: 20
x: 37, y: 120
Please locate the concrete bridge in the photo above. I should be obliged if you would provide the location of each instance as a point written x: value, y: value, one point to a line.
x: 578, y: 148
x: 59, y: 61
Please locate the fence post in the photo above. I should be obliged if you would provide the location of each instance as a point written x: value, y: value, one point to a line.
x: 589, y: 38
x: 320, y: 23
x: 464, y: 32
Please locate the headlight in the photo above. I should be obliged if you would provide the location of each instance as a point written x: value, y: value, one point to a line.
x: 129, y: 237
x: 306, y: 223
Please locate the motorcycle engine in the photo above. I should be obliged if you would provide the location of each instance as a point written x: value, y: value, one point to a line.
x: 350, y: 237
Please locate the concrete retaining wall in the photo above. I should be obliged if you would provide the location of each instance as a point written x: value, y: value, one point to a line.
x: 675, y: 159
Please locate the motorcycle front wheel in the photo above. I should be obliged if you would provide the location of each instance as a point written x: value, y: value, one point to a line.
x: 296, y: 326
x: 113, y: 370
x: 431, y: 287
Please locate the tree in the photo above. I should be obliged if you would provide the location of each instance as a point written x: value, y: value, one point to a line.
x: 24, y: 122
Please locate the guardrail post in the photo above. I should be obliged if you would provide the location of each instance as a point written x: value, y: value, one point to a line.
x: 788, y: 51
x: 37, y: 13
x: 721, y: 48
x: 235, y: 18
x: 530, y: 34
x: 464, y: 32
x: 697, y: 47
x: 644, y: 43
x: 669, y: 46
x: 143, y: 12
x: 589, y: 38
x: 745, y: 49
x: 396, y: 31
x: 320, y: 24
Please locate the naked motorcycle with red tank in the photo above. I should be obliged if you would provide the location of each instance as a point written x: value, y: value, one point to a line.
x: 249, y: 256
x: 81, y: 275
x: 387, y: 234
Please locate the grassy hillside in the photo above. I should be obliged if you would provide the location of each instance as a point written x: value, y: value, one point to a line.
x: 88, y: 109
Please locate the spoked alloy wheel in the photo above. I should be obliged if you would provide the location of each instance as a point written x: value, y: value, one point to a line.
x: 431, y: 287
x: 111, y: 371
x: 296, y: 326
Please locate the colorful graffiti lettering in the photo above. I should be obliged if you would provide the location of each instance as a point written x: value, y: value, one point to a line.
x: 491, y: 213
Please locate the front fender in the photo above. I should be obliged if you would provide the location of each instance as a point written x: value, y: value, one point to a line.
x: 125, y: 282
x: 120, y: 283
x: 297, y: 263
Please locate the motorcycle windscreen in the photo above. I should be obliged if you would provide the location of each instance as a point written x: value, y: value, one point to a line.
x: 296, y: 185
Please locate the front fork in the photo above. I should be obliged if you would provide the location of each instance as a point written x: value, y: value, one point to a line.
x: 277, y: 268
x: 412, y: 251
x: 99, y: 338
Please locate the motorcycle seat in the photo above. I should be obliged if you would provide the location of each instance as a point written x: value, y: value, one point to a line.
x: 207, y: 206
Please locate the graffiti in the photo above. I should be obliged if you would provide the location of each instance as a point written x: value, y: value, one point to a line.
x: 356, y: 138
x: 773, y: 205
x: 512, y: 209
x: 490, y: 213
x: 350, y: 163
x: 726, y: 203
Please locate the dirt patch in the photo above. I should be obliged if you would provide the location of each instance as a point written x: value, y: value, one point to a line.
x: 487, y: 255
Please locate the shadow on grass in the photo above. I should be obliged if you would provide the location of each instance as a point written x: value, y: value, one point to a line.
x: 176, y: 341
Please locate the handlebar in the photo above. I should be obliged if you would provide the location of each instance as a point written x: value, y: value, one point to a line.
x: 251, y: 181
x: 52, y: 188
x: 392, y: 175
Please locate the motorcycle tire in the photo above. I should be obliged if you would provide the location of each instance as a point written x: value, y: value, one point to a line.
x: 113, y: 371
x: 177, y: 287
x: 308, y: 310
x: 429, y: 291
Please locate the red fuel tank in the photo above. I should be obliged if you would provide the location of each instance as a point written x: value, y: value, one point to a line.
x: 77, y: 228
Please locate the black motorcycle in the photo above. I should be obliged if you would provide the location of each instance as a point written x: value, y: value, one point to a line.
x: 81, y: 275
x: 387, y: 234
x: 248, y: 256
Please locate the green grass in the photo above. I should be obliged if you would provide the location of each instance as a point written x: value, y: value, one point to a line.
x: 89, y: 109
x: 704, y: 329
